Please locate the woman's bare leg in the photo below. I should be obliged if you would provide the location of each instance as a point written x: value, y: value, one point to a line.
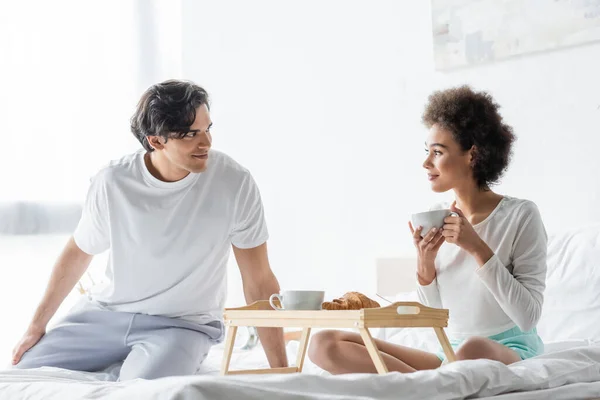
x: 479, y: 347
x: 342, y: 352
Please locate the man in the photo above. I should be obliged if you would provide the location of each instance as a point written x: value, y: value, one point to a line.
x: 167, y: 214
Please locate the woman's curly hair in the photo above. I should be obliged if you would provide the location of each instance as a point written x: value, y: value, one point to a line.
x: 474, y: 120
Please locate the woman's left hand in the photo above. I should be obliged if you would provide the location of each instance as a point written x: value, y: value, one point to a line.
x: 458, y: 230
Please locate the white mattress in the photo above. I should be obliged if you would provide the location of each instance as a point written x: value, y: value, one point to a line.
x: 568, y: 374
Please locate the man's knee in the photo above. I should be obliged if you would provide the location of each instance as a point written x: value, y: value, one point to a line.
x: 474, y: 348
x: 174, y: 352
x: 323, y: 346
x: 157, y: 371
x: 158, y: 366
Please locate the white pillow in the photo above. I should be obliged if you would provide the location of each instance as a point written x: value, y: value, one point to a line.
x: 572, y: 297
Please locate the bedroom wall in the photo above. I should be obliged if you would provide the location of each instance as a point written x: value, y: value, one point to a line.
x: 322, y: 102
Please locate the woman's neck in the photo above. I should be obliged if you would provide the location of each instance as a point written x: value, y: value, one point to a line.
x: 475, y: 203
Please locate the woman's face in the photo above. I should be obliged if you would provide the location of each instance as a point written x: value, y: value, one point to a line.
x: 448, y: 165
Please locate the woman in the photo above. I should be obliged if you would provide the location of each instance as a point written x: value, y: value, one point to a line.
x: 487, y: 265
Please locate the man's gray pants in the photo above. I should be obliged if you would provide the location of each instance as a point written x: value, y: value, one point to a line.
x: 150, y: 346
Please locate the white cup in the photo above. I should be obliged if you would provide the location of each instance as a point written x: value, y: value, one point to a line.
x: 430, y: 219
x: 298, y: 299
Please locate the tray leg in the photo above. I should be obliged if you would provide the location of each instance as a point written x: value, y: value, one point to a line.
x: 231, y: 332
x: 373, y: 352
x: 448, y: 350
x: 302, y: 348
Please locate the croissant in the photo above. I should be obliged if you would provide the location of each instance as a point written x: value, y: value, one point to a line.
x: 350, y: 301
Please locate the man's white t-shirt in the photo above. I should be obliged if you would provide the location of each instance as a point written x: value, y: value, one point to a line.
x: 505, y: 292
x: 169, y: 242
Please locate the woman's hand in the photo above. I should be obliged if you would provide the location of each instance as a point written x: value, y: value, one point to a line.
x: 427, y: 249
x: 459, y: 231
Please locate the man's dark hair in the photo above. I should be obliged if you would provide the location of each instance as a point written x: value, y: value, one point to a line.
x: 167, y: 109
x: 474, y: 120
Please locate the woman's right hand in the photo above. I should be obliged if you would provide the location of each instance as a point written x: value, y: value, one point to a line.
x: 427, y: 249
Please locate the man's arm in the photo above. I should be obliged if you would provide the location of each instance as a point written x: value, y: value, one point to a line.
x: 69, y: 268
x: 259, y: 283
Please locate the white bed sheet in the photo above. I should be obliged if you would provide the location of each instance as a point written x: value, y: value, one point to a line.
x: 572, y: 373
x: 587, y: 390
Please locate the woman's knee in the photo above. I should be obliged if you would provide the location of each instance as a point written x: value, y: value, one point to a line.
x: 322, y: 347
x: 474, y: 348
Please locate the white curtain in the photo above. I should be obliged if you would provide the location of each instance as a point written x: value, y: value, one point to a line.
x: 72, y: 72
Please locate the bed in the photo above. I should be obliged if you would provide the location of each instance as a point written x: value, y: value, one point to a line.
x: 568, y: 374
x: 569, y: 369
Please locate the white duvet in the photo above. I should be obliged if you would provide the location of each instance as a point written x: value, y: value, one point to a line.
x: 567, y: 374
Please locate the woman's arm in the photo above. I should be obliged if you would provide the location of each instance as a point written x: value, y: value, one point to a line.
x: 429, y: 295
x: 521, y: 294
x: 427, y: 249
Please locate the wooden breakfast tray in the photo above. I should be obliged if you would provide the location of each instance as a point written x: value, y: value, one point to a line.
x: 401, y: 314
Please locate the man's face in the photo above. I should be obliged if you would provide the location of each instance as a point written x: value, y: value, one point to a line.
x: 190, y: 153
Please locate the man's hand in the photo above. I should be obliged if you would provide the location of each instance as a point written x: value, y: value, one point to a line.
x: 69, y: 268
x: 29, y: 339
x: 259, y: 284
